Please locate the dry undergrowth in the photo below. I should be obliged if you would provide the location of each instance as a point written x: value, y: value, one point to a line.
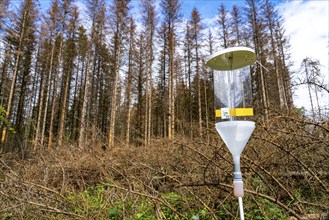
x: 285, y: 168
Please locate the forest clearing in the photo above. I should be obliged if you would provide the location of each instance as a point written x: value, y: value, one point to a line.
x: 285, y: 170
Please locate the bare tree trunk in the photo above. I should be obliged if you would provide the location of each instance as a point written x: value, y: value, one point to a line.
x: 67, y: 84
x: 63, y: 111
x: 284, y: 72
x: 54, y: 99
x: 148, y: 92
x: 47, y: 98
x: 129, y: 82
x: 190, y: 87
x: 146, y: 128
x: 140, y: 88
x: 115, y: 89
x: 169, y: 107
x: 283, y: 102
x: 199, y: 86
x: 32, y: 99
x: 12, y: 86
x: 263, y: 91
x: 206, y: 99
x: 148, y: 9
x: 150, y: 104
x: 11, y: 96
x: 91, y: 114
x: 128, y: 107
x: 164, y: 127
x: 279, y: 78
x: 171, y: 126
x: 3, y: 74
x: 84, y: 101
x: 223, y: 22
x: 259, y: 43
x: 317, y: 102
x: 76, y: 102
x: 311, y: 100
x: 309, y: 89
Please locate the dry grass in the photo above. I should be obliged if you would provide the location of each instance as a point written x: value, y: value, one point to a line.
x: 285, y: 168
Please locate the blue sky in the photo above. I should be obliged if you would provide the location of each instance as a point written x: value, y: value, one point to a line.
x: 207, y: 8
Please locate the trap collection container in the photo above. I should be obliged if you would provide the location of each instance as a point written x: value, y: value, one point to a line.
x: 232, y: 83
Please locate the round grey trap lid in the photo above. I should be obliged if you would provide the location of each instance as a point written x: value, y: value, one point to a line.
x: 232, y: 58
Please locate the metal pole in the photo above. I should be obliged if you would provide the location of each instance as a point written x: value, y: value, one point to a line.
x: 241, y: 208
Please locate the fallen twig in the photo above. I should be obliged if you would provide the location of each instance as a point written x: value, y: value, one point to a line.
x: 274, y: 200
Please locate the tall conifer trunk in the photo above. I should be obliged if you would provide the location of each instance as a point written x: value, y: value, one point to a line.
x: 129, y: 80
x: 54, y: 95
x: 85, y: 98
x: 40, y: 131
x: 117, y: 56
x: 15, y: 72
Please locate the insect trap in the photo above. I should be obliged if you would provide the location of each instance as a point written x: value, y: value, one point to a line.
x: 233, y: 105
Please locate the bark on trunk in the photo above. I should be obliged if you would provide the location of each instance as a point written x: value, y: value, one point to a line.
x: 54, y: 100
x: 13, y: 82
x: 84, y: 102
x: 115, y: 89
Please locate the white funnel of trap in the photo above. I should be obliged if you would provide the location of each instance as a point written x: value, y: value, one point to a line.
x: 235, y: 135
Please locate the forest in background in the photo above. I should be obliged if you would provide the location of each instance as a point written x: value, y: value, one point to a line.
x: 68, y: 74
x: 107, y: 84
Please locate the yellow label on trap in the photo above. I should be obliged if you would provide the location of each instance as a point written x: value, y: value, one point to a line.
x: 235, y: 112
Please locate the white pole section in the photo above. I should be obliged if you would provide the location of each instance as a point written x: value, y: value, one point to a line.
x: 241, y: 208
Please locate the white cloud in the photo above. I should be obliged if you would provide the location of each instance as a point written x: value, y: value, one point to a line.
x: 82, y: 8
x: 306, y: 22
